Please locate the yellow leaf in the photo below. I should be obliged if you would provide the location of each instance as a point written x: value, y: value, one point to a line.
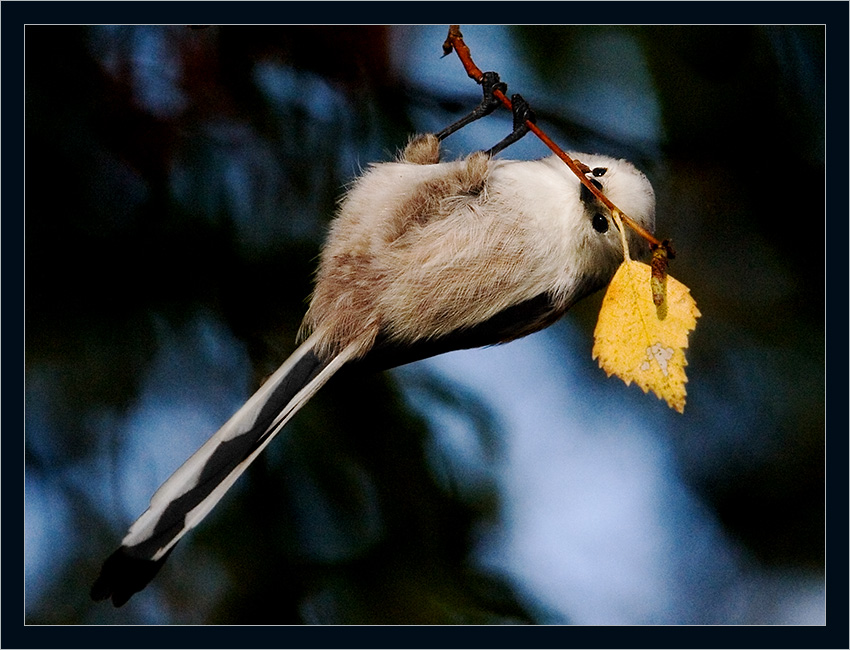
x: 641, y: 342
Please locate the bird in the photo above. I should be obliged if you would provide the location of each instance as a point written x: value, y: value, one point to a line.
x: 423, y: 257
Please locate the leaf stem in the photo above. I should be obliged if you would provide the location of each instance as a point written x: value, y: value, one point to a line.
x: 616, y: 215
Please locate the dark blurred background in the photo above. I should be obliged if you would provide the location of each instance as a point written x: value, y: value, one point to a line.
x: 179, y: 182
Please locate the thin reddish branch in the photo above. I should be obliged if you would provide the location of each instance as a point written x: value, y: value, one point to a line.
x: 454, y: 41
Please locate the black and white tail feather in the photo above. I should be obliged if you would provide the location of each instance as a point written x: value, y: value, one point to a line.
x: 198, y: 485
x: 424, y: 257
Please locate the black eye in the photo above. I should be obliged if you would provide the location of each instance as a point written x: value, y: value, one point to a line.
x: 600, y: 223
x: 599, y: 171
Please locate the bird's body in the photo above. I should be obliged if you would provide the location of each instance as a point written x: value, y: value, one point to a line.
x: 424, y: 257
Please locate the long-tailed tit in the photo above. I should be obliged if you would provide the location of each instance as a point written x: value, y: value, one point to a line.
x: 423, y: 257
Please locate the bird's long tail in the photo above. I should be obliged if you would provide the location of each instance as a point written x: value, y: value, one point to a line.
x: 194, y: 489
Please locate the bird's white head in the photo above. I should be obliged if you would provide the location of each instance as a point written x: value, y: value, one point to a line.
x: 595, y: 240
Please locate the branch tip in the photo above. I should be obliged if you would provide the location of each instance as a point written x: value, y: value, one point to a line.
x: 448, y: 45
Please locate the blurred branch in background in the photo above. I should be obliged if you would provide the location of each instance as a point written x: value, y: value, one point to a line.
x: 178, y: 186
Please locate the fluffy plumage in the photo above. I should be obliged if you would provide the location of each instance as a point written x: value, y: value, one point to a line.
x: 421, y: 251
x: 423, y: 257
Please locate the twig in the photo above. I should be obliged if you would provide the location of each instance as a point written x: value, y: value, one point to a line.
x: 454, y: 41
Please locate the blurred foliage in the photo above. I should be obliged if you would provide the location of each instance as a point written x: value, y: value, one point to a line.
x: 174, y: 169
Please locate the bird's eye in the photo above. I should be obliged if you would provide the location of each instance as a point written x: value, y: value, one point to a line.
x: 599, y: 171
x: 600, y: 223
